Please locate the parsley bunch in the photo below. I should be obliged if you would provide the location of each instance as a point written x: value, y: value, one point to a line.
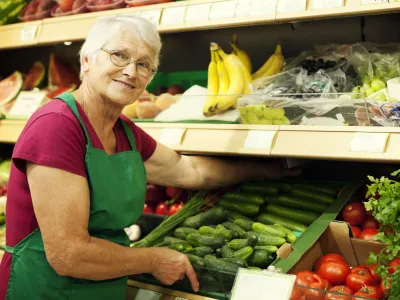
x: 384, y: 202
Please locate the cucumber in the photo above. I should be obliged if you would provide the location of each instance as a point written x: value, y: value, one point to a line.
x: 214, y: 263
x: 213, y: 242
x: 238, y: 229
x: 291, y: 237
x: 226, y: 233
x: 238, y: 244
x: 247, y: 209
x: 270, y: 249
x: 226, y: 251
x: 238, y: 261
x: 208, y: 231
x: 196, y: 260
x: 233, y: 215
x: 261, y: 188
x: 271, y: 219
x: 243, y: 253
x: 313, y: 195
x: 262, y: 228
x: 214, y: 215
x: 244, y: 197
x: 301, y: 203
x: 301, y: 216
x: 268, y: 239
x: 253, y: 268
x: 261, y: 259
x: 183, y: 232
x: 252, y: 240
x: 169, y: 240
x: 318, y: 188
x: 200, y: 251
x: 271, y: 199
x: 177, y: 247
x: 245, y: 224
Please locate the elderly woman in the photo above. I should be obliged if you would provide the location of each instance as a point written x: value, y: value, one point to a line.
x: 79, y: 178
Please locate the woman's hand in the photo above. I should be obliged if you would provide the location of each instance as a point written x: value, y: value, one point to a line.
x: 169, y: 266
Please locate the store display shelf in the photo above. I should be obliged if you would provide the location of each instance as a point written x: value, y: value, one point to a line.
x: 317, y: 142
x: 76, y: 27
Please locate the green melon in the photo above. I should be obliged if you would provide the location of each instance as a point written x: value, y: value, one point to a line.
x: 10, y: 87
x: 35, y: 76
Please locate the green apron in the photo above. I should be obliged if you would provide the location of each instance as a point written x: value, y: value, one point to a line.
x: 117, y: 190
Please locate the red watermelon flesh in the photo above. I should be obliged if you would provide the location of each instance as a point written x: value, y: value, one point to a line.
x: 10, y: 87
x: 54, y: 93
x: 62, y: 73
x: 4, y: 109
x: 35, y: 76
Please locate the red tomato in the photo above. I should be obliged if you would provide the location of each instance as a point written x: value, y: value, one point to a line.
x: 354, y: 213
x: 162, y: 209
x: 304, y: 278
x: 358, y: 278
x: 339, y: 289
x: 326, y: 258
x: 66, y: 5
x: 296, y: 293
x: 155, y: 194
x: 316, y: 288
x: 147, y: 209
x: 356, y: 231
x: 175, y: 208
x: 335, y: 272
x: 394, y: 265
x: 372, y: 269
x: 370, y: 222
x: 369, y: 292
x: 385, y: 288
x: 368, y: 234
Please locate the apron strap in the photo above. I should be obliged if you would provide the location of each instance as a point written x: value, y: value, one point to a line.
x: 9, y: 249
x: 69, y: 99
x: 129, y: 134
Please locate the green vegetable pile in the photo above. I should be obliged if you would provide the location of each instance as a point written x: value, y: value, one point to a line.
x: 384, y: 202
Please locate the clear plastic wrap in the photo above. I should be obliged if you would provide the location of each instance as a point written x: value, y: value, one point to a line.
x: 380, y: 113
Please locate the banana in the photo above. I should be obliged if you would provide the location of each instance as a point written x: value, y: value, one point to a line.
x: 222, y: 76
x: 212, y: 86
x: 244, y: 57
x: 272, y: 66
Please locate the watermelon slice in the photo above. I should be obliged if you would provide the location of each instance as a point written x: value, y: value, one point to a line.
x: 4, y: 109
x: 61, y: 73
x: 35, y: 76
x: 54, y: 93
x: 10, y: 87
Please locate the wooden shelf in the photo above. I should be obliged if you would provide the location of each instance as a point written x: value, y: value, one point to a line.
x: 75, y: 28
x: 316, y: 142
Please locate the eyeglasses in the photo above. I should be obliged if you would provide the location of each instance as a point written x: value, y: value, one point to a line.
x: 121, y: 59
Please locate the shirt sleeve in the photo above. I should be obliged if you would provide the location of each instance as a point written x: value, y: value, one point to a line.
x: 52, y: 140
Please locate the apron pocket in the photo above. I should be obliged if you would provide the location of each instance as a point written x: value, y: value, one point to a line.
x: 114, y: 289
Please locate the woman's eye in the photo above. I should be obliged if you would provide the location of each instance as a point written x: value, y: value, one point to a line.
x: 144, y: 64
x: 120, y: 55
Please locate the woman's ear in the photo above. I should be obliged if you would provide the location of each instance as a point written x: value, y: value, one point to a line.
x: 85, y: 64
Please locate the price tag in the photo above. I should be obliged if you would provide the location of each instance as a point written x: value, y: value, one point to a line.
x: 179, y: 298
x: 262, y: 7
x: 319, y: 4
x: 369, y: 142
x: 152, y: 15
x: 172, y: 136
x: 198, y: 12
x: 243, y: 8
x: 147, y: 295
x: 173, y: 15
x: 28, y: 33
x: 289, y: 6
x: 250, y: 284
x: 260, y: 139
x: 26, y: 104
x: 223, y: 10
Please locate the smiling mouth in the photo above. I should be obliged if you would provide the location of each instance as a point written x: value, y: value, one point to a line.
x: 124, y: 84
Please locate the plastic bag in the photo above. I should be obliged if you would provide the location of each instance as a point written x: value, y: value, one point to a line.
x: 381, y: 113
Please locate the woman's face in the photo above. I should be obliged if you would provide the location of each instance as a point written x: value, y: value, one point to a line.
x: 121, y: 85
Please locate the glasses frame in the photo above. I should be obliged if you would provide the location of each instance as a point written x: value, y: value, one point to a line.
x: 130, y: 60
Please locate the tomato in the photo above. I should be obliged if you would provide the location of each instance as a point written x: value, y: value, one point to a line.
x: 370, y: 222
x: 317, y: 288
x: 304, y: 278
x: 326, y: 258
x: 373, y: 272
x: 369, y: 292
x: 147, y: 209
x: 296, y: 293
x: 356, y: 231
x: 175, y: 208
x: 368, y: 234
x: 385, y: 288
x: 394, y: 265
x: 354, y: 213
x: 360, y: 277
x: 335, y: 272
x: 155, y: 194
x: 177, y: 193
x: 339, y: 289
x: 162, y: 209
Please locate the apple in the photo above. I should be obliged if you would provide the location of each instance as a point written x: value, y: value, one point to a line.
x: 155, y: 194
x: 175, y: 89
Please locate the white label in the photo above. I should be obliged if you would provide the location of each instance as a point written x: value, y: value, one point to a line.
x: 376, y: 1
x: 28, y: 33
x: 243, y: 8
x: 198, y: 13
x: 152, y: 15
x: 262, y: 285
x: 173, y: 15
x: 147, y: 295
x: 369, y: 142
x: 172, y: 136
x: 289, y: 6
x: 262, y: 7
x: 26, y: 104
x: 223, y: 10
x: 260, y: 139
x: 179, y: 298
x: 318, y: 4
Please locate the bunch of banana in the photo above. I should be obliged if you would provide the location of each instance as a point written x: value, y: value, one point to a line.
x: 272, y: 66
x: 243, y: 56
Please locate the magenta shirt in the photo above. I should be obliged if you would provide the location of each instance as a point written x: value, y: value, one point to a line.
x: 53, y: 137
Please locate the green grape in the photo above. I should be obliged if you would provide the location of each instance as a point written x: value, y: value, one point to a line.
x: 377, y: 85
x: 243, y: 110
x: 265, y: 121
x: 252, y: 119
x: 380, y: 96
x: 268, y: 113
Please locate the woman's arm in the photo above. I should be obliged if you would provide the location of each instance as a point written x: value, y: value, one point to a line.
x: 169, y: 168
x: 61, y: 203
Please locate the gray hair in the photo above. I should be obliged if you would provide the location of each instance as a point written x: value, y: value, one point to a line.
x: 106, y: 28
